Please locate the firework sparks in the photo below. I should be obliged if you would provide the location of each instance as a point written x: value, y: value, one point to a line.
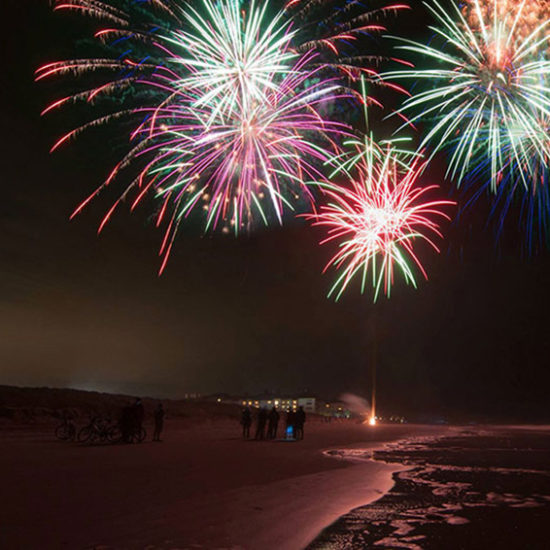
x: 341, y: 35
x: 328, y: 27
x: 223, y: 110
x: 525, y: 16
x: 378, y: 217
x: 236, y: 60
x: 530, y: 204
x: 252, y: 156
x: 487, y: 99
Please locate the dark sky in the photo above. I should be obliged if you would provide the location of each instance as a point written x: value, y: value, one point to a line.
x: 231, y: 314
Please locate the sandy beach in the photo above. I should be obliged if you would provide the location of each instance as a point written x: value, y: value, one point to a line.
x: 202, y: 487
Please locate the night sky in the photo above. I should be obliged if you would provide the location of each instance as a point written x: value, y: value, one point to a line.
x: 236, y: 315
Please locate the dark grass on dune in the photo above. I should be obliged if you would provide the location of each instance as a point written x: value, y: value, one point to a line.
x: 30, y: 406
x: 483, y: 489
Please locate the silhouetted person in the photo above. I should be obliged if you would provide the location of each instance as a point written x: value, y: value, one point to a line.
x: 139, y: 413
x: 290, y: 429
x: 299, y: 421
x: 246, y: 421
x: 159, y: 421
x: 126, y: 423
x: 262, y: 419
x: 273, y: 423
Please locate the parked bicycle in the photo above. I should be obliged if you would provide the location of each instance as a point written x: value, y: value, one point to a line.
x: 66, y: 431
x: 99, y: 430
x: 139, y: 435
x: 135, y: 435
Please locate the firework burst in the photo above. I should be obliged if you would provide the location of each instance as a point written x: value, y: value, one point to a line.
x: 489, y: 92
x: 236, y: 163
x: 235, y: 60
x: 377, y: 216
x: 223, y: 111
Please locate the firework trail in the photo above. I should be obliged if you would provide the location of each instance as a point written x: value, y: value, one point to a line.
x: 530, y: 204
x: 226, y: 117
x: 345, y: 36
x: 378, y: 215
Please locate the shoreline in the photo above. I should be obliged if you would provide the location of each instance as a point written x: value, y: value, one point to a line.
x: 371, y: 480
x: 454, y: 491
x: 357, y: 456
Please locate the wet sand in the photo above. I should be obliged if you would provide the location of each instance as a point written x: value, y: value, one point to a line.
x: 201, y: 487
x: 477, y: 488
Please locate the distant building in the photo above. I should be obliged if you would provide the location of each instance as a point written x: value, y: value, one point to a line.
x: 192, y: 396
x: 280, y: 402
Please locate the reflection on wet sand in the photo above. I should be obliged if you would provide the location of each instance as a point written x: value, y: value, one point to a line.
x: 478, y: 488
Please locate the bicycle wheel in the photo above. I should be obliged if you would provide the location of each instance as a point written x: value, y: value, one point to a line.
x: 114, y: 435
x: 62, y: 432
x: 141, y: 435
x: 72, y: 432
x: 85, y: 434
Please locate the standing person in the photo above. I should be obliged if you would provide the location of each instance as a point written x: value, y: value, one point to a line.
x: 127, y: 423
x: 159, y: 422
x: 290, y: 430
x: 139, y: 413
x: 262, y: 419
x: 273, y: 423
x: 246, y: 421
x: 300, y: 420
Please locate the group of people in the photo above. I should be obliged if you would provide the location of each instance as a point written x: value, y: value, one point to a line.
x: 295, y: 421
x: 131, y: 422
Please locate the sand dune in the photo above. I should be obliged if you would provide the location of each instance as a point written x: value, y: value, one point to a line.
x: 45, y: 405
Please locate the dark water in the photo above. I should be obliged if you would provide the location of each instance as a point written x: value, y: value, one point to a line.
x: 482, y: 488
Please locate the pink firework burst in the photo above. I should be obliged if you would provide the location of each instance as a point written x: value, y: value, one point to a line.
x: 378, y: 216
x: 220, y: 118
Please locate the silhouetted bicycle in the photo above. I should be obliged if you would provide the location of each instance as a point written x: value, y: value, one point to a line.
x: 139, y: 435
x: 66, y: 431
x: 99, y: 430
x: 135, y: 436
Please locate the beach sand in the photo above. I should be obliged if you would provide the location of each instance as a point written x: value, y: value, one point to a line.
x: 202, y: 487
